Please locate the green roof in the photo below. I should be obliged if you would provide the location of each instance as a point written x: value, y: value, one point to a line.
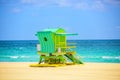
x: 67, y: 34
x: 52, y: 30
x: 55, y: 30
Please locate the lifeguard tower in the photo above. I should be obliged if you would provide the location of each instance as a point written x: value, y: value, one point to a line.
x: 53, y: 48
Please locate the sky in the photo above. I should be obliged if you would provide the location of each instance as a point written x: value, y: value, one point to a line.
x: 91, y: 19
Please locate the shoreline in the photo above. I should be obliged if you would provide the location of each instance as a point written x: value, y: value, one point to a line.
x: 86, y: 71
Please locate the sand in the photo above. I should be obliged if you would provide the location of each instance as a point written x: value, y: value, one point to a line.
x: 88, y: 71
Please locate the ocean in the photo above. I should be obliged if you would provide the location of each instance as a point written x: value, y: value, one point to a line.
x: 102, y: 51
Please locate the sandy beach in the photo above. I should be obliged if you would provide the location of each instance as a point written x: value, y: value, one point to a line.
x: 88, y: 71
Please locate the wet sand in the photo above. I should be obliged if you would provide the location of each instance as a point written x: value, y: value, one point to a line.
x: 88, y: 71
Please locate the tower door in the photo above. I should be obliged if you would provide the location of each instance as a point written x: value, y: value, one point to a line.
x: 46, y: 41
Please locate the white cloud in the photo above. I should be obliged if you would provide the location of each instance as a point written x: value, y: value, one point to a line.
x: 98, y: 5
x: 29, y: 1
x: 82, y: 5
x: 16, y: 10
x: 116, y: 2
x: 36, y: 2
x: 62, y: 3
x: 78, y: 4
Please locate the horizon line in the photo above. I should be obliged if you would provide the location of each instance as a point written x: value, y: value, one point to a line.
x: 67, y: 39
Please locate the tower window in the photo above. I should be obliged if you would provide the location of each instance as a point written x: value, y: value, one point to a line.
x: 45, y: 39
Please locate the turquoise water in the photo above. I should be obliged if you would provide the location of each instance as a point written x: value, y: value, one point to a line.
x: 87, y: 50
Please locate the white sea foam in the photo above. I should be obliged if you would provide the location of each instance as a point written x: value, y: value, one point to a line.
x: 111, y: 57
x: 21, y: 48
x: 14, y: 57
x: 103, y: 57
x: 24, y: 56
x: 90, y: 56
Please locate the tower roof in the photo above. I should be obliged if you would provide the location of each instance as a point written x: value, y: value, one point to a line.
x: 55, y: 30
x: 58, y: 31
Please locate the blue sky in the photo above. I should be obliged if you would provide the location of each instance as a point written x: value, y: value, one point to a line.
x: 91, y: 19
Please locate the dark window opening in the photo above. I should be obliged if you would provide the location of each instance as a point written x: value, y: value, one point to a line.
x: 45, y: 39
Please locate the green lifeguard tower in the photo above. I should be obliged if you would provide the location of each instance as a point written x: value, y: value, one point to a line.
x: 53, y: 48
